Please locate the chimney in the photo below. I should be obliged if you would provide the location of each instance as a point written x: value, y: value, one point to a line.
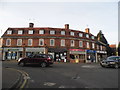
x: 66, y: 26
x: 87, y: 30
x: 31, y: 25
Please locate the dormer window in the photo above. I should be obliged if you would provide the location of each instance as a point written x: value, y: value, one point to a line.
x: 80, y: 35
x: 9, y: 32
x: 87, y: 35
x: 20, y: 31
x: 41, y: 31
x: 62, y: 32
x: 52, y: 32
x: 30, y: 32
x: 72, y: 33
x: 93, y: 37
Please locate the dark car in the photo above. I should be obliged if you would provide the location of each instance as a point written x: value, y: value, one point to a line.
x: 42, y: 59
x: 112, y: 61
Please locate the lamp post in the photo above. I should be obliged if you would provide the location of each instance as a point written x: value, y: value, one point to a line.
x: 46, y: 49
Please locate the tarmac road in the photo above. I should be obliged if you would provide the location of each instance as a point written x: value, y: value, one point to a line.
x: 67, y: 75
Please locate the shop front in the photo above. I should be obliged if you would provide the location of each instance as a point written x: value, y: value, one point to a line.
x: 90, y: 56
x: 59, y: 54
x: 101, y: 55
x: 33, y: 50
x: 12, y: 53
x: 77, y: 54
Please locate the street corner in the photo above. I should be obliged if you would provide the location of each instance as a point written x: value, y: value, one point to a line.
x: 10, y: 78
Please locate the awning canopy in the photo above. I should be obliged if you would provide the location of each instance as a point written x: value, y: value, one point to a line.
x: 57, y: 50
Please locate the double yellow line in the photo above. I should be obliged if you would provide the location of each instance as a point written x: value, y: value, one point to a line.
x: 25, y: 77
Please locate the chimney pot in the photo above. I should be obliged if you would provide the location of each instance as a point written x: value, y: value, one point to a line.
x: 31, y: 25
x: 66, y: 26
x: 87, y: 30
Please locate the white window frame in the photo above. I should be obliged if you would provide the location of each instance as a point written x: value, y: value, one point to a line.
x: 53, y: 42
x: 7, y: 42
x: 62, y: 32
x: 62, y: 42
x: 72, y: 33
x: 41, y: 40
x: 80, y: 43
x: 9, y: 32
x: 52, y: 32
x: 30, y: 40
x: 93, y: 37
x: 41, y: 32
x: 20, y: 31
x: 93, y: 45
x: 72, y: 43
x: 88, y: 44
x: 80, y: 34
x: 30, y: 32
x: 87, y: 35
x: 19, y: 42
x: 101, y: 48
x: 97, y: 47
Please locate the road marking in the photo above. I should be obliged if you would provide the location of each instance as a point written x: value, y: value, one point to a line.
x: 49, y: 84
x: 25, y: 77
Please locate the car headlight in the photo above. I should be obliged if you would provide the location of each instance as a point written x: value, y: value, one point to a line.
x: 19, y: 59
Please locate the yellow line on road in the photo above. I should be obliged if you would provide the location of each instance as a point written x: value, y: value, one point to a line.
x: 25, y: 77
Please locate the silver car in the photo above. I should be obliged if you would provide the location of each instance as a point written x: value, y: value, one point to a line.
x: 112, y: 61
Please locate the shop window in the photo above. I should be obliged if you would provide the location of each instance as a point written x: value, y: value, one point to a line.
x: 80, y: 43
x: 19, y: 42
x: 72, y: 43
x: 72, y: 56
x: 20, y: 31
x: 8, y: 42
x: 72, y: 33
x: 9, y: 32
x: 30, y: 32
x: 41, y: 31
x: 62, y: 32
x: 62, y: 42
x: 52, y: 42
x: 52, y: 32
x: 29, y: 42
x: 41, y: 42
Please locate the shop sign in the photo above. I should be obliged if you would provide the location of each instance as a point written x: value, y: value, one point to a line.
x: 13, y: 49
x: 90, y: 51
x: 77, y: 50
x: 35, y: 49
x: 102, y: 52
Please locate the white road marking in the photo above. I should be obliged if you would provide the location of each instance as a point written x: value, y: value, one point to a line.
x: 49, y: 84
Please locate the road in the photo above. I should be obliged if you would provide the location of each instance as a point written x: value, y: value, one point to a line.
x: 68, y: 75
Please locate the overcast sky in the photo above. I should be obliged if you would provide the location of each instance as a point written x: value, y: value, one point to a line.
x: 79, y: 15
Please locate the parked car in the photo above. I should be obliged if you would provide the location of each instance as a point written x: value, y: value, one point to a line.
x: 112, y: 61
x: 42, y: 59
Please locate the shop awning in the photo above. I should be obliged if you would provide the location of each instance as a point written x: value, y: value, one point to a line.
x: 57, y: 50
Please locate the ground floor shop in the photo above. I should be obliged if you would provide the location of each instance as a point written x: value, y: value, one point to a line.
x: 90, y: 56
x: 59, y: 54
x: 101, y: 55
x: 16, y: 53
x: 77, y: 55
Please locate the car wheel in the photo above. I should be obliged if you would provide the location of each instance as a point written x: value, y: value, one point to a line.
x: 101, y: 65
x: 116, y: 66
x: 22, y: 64
x: 43, y: 64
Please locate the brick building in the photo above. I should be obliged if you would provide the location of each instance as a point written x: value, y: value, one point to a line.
x: 64, y: 44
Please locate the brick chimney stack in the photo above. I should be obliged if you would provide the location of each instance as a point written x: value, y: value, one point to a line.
x: 66, y: 26
x: 31, y: 25
x: 87, y: 30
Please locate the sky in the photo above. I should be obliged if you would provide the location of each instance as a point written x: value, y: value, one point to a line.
x: 79, y: 14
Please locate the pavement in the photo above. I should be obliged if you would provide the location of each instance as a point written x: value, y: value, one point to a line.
x: 10, y: 78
